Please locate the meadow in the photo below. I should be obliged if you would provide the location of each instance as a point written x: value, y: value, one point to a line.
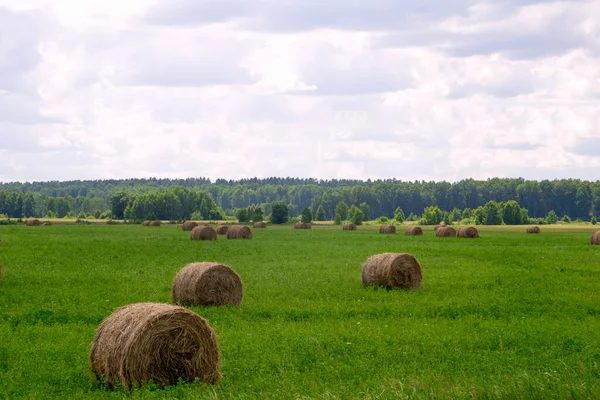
x: 508, y: 315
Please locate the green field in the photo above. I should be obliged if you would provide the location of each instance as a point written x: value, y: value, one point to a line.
x: 508, y: 315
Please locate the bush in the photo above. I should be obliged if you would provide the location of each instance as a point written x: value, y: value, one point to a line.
x: 566, y: 219
x: 593, y: 220
x: 382, y: 220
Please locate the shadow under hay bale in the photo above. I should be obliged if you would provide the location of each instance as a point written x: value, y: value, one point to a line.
x: 259, y: 225
x: 207, y: 284
x: 413, y: 231
x: 446, y: 231
x: 203, y: 233
x: 392, y: 270
x: 595, y: 240
x: 387, y: 229
x: 33, y: 222
x: 239, y: 232
x: 188, y: 225
x: 533, y: 229
x: 302, y: 225
x: 222, y: 229
x: 468, y: 232
x: 159, y: 342
x: 349, y: 227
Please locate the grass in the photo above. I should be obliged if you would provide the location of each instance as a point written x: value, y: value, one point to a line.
x: 508, y: 315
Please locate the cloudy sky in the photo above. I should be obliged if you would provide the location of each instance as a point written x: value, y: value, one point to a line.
x: 413, y: 89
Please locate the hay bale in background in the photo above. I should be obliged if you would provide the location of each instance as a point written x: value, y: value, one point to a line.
x: 349, y: 227
x: 413, y: 231
x: 239, y: 232
x: 143, y: 341
x: 207, y: 284
x: 533, y: 229
x: 446, y: 231
x: 188, y: 225
x: 154, y: 223
x: 302, y: 225
x: 32, y: 222
x: 203, y: 233
x: 468, y: 232
x: 146, y: 223
x: 596, y: 238
x: 259, y: 225
x: 438, y: 226
x: 387, y: 229
x: 392, y: 270
x: 222, y: 229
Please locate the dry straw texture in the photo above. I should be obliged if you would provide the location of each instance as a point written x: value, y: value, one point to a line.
x: 387, y: 229
x: 349, y: 227
x: 159, y: 342
x: 468, y: 232
x: 446, y: 231
x: 203, y: 233
x: 413, y: 231
x: 188, y: 225
x: 207, y: 284
x: 239, y: 232
x: 259, y: 225
x: 533, y: 229
x: 438, y: 226
x: 222, y: 229
x: 596, y: 238
x: 33, y: 222
x: 154, y: 223
x: 392, y: 270
x: 146, y: 223
x: 302, y: 225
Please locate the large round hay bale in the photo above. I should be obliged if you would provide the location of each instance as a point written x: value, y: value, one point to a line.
x: 207, y: 284
x: 150, y: 341
x: 392, y: 270
x: 468, y: 232
x: 260, y: 225
x: 222, y: 229
x: 413, y: 231
x: 239, y: 232
x: 446, y: 231
x: 302, y: 225
x: 387, y: 229
x: 349, y: 227
x: 203, y: 233
x: 596, y: 238
x: 438, y: 226
x: 146, y: 223
x: 533, y: 229
x: 32, y: 222
x: 188, y: 225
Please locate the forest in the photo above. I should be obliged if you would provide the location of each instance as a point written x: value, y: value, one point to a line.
x: 200, y: 198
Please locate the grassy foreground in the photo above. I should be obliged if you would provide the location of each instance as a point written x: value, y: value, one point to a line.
x: 508, y: 315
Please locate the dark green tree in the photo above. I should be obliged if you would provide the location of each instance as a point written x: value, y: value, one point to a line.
x: 242, y: 215
x: 258, y: 214
x: 551, y: 218
x: 118, y: 202
x: 432, y: 215
x: 320, y: 214
x: 512, y: 213
x: 306, y: 215
x: 279, y: 212
x: 342, y: 210
x: 357, y: 216
x: 399, y: 215
x: 593, y: 220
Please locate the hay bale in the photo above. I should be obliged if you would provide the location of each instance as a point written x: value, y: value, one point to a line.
x: 387, y: 229
x: 32, y: 222
x: 438, y: 226
x: 222, y: 229
x: 154, y: 223
x: 239, y: 232
x: 207, y: 284
x: 414, y: 231
x: 259, y: 225
x: 349, y: 227
x: 203, y: 233
x: 302, y: 225
x: 392, y: 270
x: 150, y: 341
x: 188, y: 225
x: 595, y: 240
x: 533, y: 229
x: 468, y: 232
x: 446, y: 231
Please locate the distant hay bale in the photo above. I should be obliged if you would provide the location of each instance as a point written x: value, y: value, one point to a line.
x: 207, y: 284
x: 533, y: 229
x: 413, y: 231
x: 596, y: 238
x: 33, y: 222
x: 387, y: 229
x: 149, y: 341
x: 203, y: 233
x: 468, y: 232
x: 302, y: 225
x: 446, y: 231
x: 349, y: 227
x: 259, y: 225
x: 188, y: 225
x: 438, y: 226
x: 146, y: 223
x: 154, y: 223
x: 239, y: 232
x: 392, y: 270
x: 222, y: 229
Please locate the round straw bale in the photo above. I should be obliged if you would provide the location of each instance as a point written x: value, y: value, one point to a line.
x: 149, y: 341
x: 154, y: 223
x: 239, y: 232
x: 446, y: 231
x: 222, y: 229
x: 533, y: 229
x: 207, y: 284
x: 468, y: 232
x: 596, y: 238
x: 259, y: 225
x: 392, y: 270
x: 387, y: 229
x: 188, y: 225
x: 32, y: 222
x: 349, y: 227
x: 302, y: 225
x: 203, y: 233
x: 438, y: 226
x: 413, y: 231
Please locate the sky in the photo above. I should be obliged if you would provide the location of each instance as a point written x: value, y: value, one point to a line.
x: 412, y: 90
